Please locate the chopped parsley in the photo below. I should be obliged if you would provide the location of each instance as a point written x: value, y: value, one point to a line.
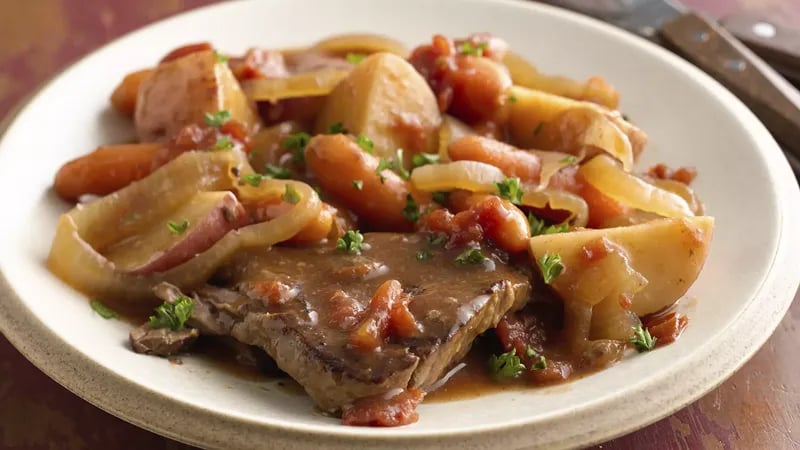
x: 366, y: 144
x: 541, y: 361
x: 358, y: 184
x: 102, y: 310
x: 337, y: 128
x: 512, y: 99
x: 506, y: 365
x: 253, y: 179
x: 551, y: 267
x: 220, y: 57
x: 351, y: 242
x: 172, y: 315
x: 296, y: 143
x: 355, y: 58
x: 538, y: 226
x: 398, y: 165
x: 290, y: 195
x: 178, y: 228
x: 224, y: 143
x: 642, y: 339
x: 510, y: 189
x: 423, y: 159
x: 626, y: 117
x: 440, y: 197
x: 470, y: 256
x: 474, y: 50
x: 569, y: 159
x: 422, y: 255
x: 411, y: 210
x: 435, y: 240
x: 279, y: 173
x: 383, y: 164
x: 218, y: 118
x: 538, y: 129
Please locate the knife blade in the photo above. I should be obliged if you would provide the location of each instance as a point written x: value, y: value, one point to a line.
x: 714, y: 50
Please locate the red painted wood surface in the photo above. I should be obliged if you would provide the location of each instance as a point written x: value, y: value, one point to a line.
x: 759, y: 407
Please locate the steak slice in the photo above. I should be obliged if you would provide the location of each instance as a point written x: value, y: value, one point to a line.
x: 289, y: 301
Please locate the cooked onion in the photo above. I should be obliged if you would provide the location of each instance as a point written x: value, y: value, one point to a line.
x: 559, y: 200
x: 451, y: 130
x: 471, y: 176
x: 360, y: 43
x: 309, y: 84
x: 552, y: 162
x: 587, y: 127
x: 82, y: 234
x: 681, y: 189
x: 603, y: 173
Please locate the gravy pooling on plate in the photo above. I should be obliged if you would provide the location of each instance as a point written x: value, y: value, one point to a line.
x: 358, y: 215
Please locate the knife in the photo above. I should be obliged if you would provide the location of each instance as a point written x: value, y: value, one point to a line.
x: 713, y: 49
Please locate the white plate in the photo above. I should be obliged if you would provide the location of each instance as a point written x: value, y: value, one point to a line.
x: 748, y: 282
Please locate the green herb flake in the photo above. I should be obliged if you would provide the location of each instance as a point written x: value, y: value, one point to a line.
x: 366, y: 144
x: 551, y: 267
x: 358, y: 184
x: 383, y: 164
x: 538, y: 129
x: 538, y: 226
x: 291, y: 195
x: 351, y: 242
x: 569, y: 159
x: 172, y: 315
x: 440, y: 197
x: 423, y: 159
x: 253, y: 179
x: 506, y: 365
x: 474, y: 50
x: 296, y: 143
x: 471, y: 256
x: 512, y: 99
x: 422, y: 255
x: 642, y: 340
x: 355, y: 58
x: 541, y: 361
x: 337, y: 128
x: 398, y: 165
x: 224, y: 143
x: 278, y: 173
x: 178, y: 228
x: 510, y: 189
x: 626, y: 117
x: 102, y: 310
x: 411, y: 210
x: 218, y: 118
x: 436, y: 240
x: 222, y: 59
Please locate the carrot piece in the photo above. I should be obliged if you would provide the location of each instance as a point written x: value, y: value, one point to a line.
x: 105, y: 170
x: 123, y: 99
x: 601, y: 206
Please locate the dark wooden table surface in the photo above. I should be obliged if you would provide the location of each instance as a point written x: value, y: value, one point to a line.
x: 757, y: 408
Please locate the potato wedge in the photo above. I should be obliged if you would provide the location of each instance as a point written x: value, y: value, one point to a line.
x: 182, y: 91
x: 668, y: 253
x: 385, y: 99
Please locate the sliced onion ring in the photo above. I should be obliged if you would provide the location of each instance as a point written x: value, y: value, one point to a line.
x: 309, y: 84
x: 360, y: 43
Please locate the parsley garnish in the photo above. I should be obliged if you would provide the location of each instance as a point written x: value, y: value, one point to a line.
x: 470, y: 256
x: 510, y: 189
x: 411, y: 210
x: 512, y: 99
x: 290, y: 195
x: 358, y: 184
x: 538, y: 129
x: 102, y: 310
x: 440, y: 197
x: 642, y: 339
x: 551, y: 267
x: 541, y: 361
x: 366, y: 144
x: 423, y: 159
x: 398, y: 165
x: 468, y: 49
x: 351, y: 242
x: 538, y: 226
x: 626, y: 117
x: 296, y: 143
x: 383, y: 164
x: 422, y: 255
x: 569, y: 159
x: 355, y: 58
x: 435, y: 240
x: 253, y: 179
x: 337, y: 128
x: 172, y: 315
x: 279, y: 173
x: 220, y: 57
x: 223, y: 143
x: 178, y: 228
x: 506, y: 365
x: 218, y: 118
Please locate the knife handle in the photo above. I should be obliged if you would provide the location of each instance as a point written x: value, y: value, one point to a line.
x: 764, y: 91
x: 778, y: 45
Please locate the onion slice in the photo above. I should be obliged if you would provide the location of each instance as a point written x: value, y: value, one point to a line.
x: 309, y: 84
x: 363, y: 43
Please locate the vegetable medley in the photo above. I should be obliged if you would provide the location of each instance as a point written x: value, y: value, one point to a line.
x: 366, y: 191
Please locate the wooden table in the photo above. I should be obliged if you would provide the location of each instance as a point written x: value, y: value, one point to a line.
x: 759, y: 407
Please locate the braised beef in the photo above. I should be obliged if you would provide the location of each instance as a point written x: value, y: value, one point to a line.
x: 161, y: 341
